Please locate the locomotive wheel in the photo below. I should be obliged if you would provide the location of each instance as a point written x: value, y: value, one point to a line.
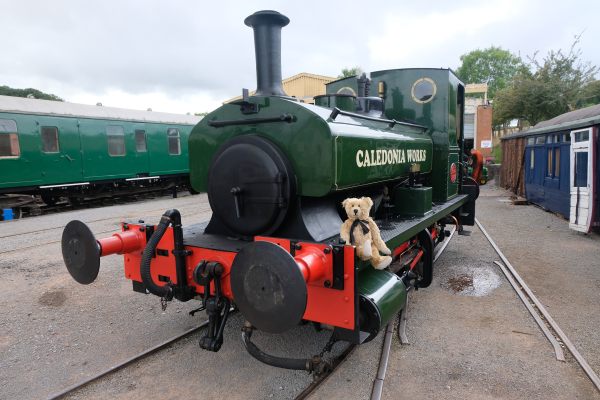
x: 268, y: 287
x: 81, y: 252
x: 424, y: 268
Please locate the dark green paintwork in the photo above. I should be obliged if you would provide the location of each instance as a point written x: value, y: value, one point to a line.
x: 323, y: 152
x: 412, y: 201
x: 345, y: 103
x: 385, y: 290
x: 440, y: 115
x: 83, y: 154
x: 350, y: 84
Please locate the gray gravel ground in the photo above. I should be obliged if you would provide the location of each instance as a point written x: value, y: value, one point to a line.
x: 55, y: 332
x: 560, y: 265
x: 470, y: 335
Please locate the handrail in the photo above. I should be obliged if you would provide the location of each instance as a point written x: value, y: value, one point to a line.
x: 289, y: 118
x: 391, y: 122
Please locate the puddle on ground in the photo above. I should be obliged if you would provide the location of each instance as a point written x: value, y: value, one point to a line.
x: 469, y: 281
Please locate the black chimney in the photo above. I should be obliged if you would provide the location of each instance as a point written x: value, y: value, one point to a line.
x: 267, y: 45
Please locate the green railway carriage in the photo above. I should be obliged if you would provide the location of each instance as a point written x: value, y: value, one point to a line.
x: 64, y: 149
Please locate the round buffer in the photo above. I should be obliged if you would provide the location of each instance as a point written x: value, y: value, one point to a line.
x: 81, y: 252
x: 268, y: 287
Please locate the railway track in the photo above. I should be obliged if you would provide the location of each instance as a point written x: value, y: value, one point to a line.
x: 378, y: 383
x: 37, y: 244
x: 41, y: 208
x: 138, y: 357
x: 553, y: 332
x: 148, y: 214
x: 306, y: 393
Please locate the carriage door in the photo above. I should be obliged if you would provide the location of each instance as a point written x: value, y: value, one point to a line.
x: 581, y: 180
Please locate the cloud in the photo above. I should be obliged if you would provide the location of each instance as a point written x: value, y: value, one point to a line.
x: 427, y: 37
x: 189, y: 55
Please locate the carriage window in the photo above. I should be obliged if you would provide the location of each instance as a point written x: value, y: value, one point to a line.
x: 581, y: 169
x: 116, y: 140
x: 540, y: 140
x: 582, y: 136
x: 556, y: 162
x: 566, y: 137
x: 174, y: 141
x: 531, y: 159
x: 549, y: 169
x: 550, y: 139
x: 140, y: 141
x: 50, y: 139
x: 530, y: 141
x: 9, y: 140
x: 9, y: 145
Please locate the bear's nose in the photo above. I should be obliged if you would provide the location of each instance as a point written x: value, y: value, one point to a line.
x: 355, y: 211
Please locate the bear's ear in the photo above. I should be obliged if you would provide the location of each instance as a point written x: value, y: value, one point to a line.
x: 368, y: 200
x: 344, y: 203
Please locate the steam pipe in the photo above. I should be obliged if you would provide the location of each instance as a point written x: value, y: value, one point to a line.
x: 267, y: 45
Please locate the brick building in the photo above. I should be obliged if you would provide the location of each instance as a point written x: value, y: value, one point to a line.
x: 478, y: 118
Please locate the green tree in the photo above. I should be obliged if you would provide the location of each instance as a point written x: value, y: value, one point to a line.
x: 589, y: 95
x: 548, y: 88
x: 348, y: 72
x: 29, y: 92
x: 494, y: 66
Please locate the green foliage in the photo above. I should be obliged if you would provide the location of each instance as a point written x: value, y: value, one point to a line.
x: 494, y: 66
x: 497, y: 153
x: 8, y: 91
x: 589, y: 95
x: 348, y: 72
x: 548, y: 88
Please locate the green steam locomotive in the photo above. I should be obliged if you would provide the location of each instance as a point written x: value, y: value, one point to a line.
x: 276, y: 172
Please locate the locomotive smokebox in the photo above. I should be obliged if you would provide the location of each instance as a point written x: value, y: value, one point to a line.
x: 267, y: 44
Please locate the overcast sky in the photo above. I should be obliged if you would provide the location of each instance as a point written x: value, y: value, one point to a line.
x: 189, y: 56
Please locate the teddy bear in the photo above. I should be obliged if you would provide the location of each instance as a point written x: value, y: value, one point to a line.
x: 361, y: 231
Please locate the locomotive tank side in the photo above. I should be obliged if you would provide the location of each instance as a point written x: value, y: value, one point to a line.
x: 326, y: 155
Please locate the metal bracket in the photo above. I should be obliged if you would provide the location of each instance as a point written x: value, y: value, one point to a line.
x: 338, y: 268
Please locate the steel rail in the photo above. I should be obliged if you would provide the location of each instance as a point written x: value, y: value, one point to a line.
x: 563, y: 337
x: 339, y: 360
x: 439, y: 249
x: 383, y: 362
x: 560, y: 356
x: 125, y: 363
x: 98, y: 220
x: 377, y: 389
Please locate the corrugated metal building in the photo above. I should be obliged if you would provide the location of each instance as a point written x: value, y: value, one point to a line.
x: 303, y: 86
